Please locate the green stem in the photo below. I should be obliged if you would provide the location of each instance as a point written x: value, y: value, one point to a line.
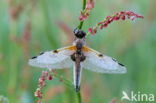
x: 79, y: 97
x: 84, y: 4
x: 69, y: 84
x: 83, y: 8
x: 80, y: 27
x: 65, y: 81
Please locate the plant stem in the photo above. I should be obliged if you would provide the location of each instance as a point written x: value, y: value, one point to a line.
x: 83, y: 8
x: 69, y: 84
x: 79, y: 97
x: 80, y: 27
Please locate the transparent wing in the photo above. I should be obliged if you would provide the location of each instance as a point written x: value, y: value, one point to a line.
x: 56, y: 59
x: 98, y: 62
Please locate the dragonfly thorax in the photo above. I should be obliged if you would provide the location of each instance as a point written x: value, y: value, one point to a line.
x: 79, y: 43
x: 75, y: 56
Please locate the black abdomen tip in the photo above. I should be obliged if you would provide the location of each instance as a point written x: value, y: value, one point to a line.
x: 77, y: 88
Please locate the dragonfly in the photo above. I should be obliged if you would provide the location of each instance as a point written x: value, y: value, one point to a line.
x: 79, y: 56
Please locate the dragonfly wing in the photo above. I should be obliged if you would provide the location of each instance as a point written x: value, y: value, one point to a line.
x: 56, y: 59
x: 98, y: 62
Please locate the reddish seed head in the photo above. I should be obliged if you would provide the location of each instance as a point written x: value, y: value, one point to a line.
x: 85, y: 13
x: 123, y: 15
x: 41, y: 79
x: 41, y: 83
x: 122, y: 12
x: 92, y: 31
x: 111, y: 19
x: 116, y: 18
x: 50, y: 77
x: 44, y: 73
x: 100, y: 23
x: 90, y: 4
x: 83, y: 17
x: 38, y: 93
x: 108, y: 17
x: 105, y: 25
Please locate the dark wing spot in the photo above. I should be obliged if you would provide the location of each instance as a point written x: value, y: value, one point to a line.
x: 55, y: 51
x: 41, y: 53
x: 114, y: 60
x: 121, y: 64
x: 34, y: 57
x: 100, y: 55
x: 117, y: 62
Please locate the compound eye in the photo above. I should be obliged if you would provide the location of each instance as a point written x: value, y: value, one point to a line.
x: 76, y: 30
x: 82, y: 34
x: 79, y: 33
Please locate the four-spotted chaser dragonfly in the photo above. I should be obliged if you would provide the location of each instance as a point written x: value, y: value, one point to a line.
x: 79, y: 56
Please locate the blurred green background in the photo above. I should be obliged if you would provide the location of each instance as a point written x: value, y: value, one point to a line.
x: 28, y: 27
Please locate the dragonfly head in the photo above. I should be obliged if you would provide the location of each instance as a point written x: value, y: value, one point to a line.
x: 79, y: 33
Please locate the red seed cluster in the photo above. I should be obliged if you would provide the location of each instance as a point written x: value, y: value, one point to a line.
x: 90, y: 4
x: 92, y: 30
x: 41, y: 83
x: 123, y: 15
x: 38, y: 93
x: 86, y: 12
x: 83, y: 16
